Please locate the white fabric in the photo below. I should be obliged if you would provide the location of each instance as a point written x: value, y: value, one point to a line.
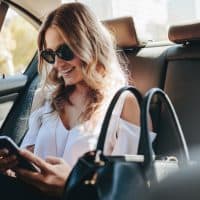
x: 50, y: 137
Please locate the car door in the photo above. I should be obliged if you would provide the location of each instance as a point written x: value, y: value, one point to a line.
x: 19, y: 25
x: 18, y: 60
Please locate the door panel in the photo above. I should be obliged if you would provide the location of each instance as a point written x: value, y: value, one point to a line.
x: 10, y: 88
x: 11, y: 85
x: 17, y: 65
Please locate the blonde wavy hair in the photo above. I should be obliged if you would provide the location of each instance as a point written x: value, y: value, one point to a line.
x: 94, y: 45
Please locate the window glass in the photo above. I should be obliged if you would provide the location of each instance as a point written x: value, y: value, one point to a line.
x: 152, y: 17
x: 18, y: 44
x: 17, y: 47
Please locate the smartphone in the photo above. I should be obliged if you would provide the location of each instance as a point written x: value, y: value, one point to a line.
x: 7, y: 143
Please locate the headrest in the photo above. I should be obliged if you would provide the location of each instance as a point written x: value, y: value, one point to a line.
x: 123, y: 30
x: 184, y: 33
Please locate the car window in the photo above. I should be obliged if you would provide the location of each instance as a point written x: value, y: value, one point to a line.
x: 152, y: 17
x: 17, y: 48
x: 18, y: 44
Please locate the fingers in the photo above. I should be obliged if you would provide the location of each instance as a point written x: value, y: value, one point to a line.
x: 54, y: 160
x: 29, y: 177
x: 3, y: 152
x: 7, y: 161
x: 41, y: 164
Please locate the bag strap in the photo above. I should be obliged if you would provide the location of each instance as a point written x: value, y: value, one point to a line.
x: 106, y: 121
x: 144, y: 136
x: 116, y: 115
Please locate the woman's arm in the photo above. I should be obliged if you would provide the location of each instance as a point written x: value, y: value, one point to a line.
x: 131, y: 111
x: 128, y: 134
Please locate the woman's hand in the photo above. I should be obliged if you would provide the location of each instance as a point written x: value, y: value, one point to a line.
x: 7, y: 162
x: 52, y: 176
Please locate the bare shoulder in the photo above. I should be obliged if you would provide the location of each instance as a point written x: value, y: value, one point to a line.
x: 131, y: 110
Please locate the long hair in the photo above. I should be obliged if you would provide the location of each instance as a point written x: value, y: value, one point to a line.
x: 94, y: 45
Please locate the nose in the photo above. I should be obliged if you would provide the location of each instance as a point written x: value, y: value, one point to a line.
x: 58, y: 63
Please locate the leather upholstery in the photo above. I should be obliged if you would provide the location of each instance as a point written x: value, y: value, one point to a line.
x: 124, y: 31
x: 184, y: 33
x: 182, y: 85
x: 147, y: 67
x: 182, y: 185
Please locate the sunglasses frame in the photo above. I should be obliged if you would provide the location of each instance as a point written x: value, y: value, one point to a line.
x: 63, y: 52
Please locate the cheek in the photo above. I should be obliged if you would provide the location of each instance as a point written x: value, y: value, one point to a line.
x: 78, y: 64
x: 76, y: 61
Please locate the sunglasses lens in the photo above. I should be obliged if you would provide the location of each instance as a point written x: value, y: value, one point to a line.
x: 48, y: 55
x: 65, y: 53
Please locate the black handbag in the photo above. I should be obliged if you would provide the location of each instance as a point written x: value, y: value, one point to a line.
x: 99, y: 177
x: 162, y: 165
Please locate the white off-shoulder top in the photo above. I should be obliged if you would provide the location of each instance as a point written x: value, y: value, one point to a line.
x: 51, y: 138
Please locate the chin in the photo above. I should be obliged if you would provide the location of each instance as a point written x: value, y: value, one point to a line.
x: 72, y: 82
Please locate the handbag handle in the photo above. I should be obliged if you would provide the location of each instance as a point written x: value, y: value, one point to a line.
x: 144, y: 136
x: 106, y: 121
x: 104, y: 128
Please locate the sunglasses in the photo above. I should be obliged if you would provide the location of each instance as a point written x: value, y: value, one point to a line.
x: 63, y: 52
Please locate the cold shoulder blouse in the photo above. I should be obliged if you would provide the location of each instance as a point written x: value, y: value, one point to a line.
x: 51, y: 138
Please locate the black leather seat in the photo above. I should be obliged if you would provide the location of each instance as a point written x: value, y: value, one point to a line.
x: 181, y: 185
x: 183, y: 79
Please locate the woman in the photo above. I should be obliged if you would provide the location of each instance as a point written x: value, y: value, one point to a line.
x: 82, y: 74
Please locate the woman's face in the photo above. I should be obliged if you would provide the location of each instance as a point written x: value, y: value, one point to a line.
x: 70, y: 70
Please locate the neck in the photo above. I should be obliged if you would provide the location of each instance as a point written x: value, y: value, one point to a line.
x: 79, y: 93
x: 81, y: 88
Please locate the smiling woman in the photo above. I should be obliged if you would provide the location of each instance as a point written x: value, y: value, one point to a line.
x: 83, y: 73
x: 65, y: 62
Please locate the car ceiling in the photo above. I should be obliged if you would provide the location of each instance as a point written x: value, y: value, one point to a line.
x: 39, y: 9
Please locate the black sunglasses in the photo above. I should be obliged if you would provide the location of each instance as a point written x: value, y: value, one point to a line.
x: 63, y: 52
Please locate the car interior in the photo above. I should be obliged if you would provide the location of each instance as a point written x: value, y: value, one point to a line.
x: 172, y: 66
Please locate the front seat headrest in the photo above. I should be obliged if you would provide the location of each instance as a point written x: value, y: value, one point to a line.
x: 184, y: 33
x: 124, y: 31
